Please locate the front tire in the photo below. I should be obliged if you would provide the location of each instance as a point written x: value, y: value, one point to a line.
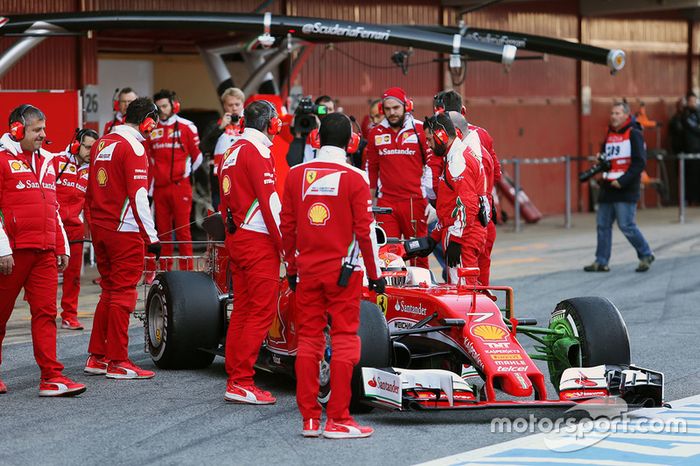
x: 599, y: 330
x: 375, y: 352
x: 183, y: 316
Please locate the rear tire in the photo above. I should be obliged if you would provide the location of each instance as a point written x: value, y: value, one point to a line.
x: 600, y: 330
x: 183, y: 315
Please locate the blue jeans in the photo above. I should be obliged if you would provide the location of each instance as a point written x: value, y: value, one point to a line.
x: 625, y: 213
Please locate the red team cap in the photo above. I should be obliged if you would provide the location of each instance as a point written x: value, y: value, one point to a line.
x: 395, y: 93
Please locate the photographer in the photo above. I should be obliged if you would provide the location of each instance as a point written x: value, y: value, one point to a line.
x: 307, y: 118
x: 622, y: 163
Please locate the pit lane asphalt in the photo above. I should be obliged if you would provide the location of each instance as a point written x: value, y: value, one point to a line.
x: 180, y: 417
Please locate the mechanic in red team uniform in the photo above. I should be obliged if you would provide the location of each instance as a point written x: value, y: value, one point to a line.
x: 33, y: 244
x: 71, y: 186
x: 117, y: 199
x: 174, y: 151
x: 398, y: 159
x: 451, y: 101
x: 458, y: 199
x: 125, y: 96
x: 328, y: 198
x: 251, y: 206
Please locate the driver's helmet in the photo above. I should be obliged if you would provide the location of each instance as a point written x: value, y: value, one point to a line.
x: 393, y: 269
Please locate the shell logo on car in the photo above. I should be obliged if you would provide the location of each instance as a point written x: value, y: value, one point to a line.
x: 489, y: 332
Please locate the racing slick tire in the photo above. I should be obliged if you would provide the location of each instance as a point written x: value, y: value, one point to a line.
x: 600, y: 330
x: 183, y: 315
x: 375, y: 352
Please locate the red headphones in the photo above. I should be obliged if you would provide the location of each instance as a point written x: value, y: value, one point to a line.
x: 78, y: 139
x: 351, y: 148
x: 440, y: 136
x: 17, y: 128
x: 115, y: 100
x: 407, y: 104
x: 148, y: 122
x: 274, y: 124
x: 175, y: 104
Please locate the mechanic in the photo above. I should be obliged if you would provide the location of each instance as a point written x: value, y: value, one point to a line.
x: 33, y: 244
x: 250, y: 206
x: 174, y: 151
x: 71, y: 186
x: 221, y: 136
x: 121, y: 221
x: 124, y: 96
x: 330, y: 199
x: 398, y: 161
x: 462, y: 217
x: 373, y: 118
x: 620, y: 189
x: 451, y: 101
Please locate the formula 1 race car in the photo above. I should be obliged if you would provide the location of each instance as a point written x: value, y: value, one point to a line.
x: 424, y: 345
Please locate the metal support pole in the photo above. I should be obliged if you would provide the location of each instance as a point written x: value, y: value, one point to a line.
x: 567, y: 191
x: 516, y: 197
x: 681, y: 188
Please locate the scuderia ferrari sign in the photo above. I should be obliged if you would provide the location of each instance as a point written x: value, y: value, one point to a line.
x: 345, y: 31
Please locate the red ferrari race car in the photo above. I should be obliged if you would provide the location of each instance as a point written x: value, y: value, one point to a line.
x: 424, y: 345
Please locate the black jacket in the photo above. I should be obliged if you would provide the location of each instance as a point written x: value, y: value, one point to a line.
x: 691, y: 131
x: 630, y: 180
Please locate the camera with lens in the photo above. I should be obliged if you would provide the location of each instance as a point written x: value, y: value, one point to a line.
x: 603, y: 165
x: 305, y: 115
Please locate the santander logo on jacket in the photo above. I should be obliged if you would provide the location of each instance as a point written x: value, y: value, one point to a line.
x: 28, y: 205
x: 396, y: 160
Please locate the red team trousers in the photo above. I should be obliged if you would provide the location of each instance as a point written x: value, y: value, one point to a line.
x: 485, y: 256
x: 255, y: 264
x: 403, y: 221
x: 36, y: 271
x: 119, y: 258
x: 317, y: 299
x: 173, y: 205
x: 71, y: 276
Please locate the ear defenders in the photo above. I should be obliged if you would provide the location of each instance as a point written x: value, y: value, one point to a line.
x: 175, y: 104
x: 274, y: 124
x: 440, y: 136
x: 352, y: 146
x: 78, y: 139
x: 438, y: 103
x: 407, y: 105
x: 17, y: 128
x: 115, y: 100
x: 149, y: 121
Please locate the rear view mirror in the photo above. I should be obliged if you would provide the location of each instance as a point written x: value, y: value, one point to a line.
x: 381, y: 236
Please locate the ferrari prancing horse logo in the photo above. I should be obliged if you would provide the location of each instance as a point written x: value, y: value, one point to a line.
x: 310, y: 176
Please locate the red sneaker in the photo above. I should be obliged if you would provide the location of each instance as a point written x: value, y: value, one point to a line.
x: 311, y: 428
x: 3, y: 387
x: 95, y: 365
x: 127, y: 370
x: 60, y: 386
x: 71, y: 324
x: 250, y: 394
x: 346, y: 428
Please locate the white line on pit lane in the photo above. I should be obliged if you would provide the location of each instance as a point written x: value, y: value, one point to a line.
x: 617, y: 449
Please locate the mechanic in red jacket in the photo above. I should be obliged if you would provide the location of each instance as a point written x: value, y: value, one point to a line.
x: 250, y: 206
x: 33, y: 244
x: 398, y: 159
x: 174, y: 151
x: 329, y: 198
x: 117, y: 199
x: 461, y: 185
x: 124, y: 96
x: 451, y: 101
x: 71, y: 186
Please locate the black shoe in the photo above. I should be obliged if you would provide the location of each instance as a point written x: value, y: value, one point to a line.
x: 645, y: 263
x: 596, y: 267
